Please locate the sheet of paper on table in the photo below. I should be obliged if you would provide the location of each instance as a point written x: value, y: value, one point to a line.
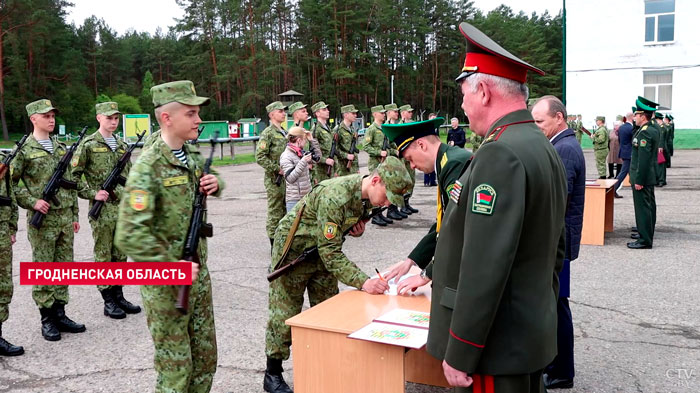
x: 393, y: 283
x: 385, y: 333
x: 410, y: 318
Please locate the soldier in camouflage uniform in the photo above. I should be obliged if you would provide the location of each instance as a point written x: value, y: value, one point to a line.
x: 299, y: 113
x: 323, y: 134
x: 600, y: 146
x: 8, y: 229
x: 346, y: 134
x: 152, y: 227
x: 375, y: 142
x: 92, y: 163
x: 475, y: 140
x: 34, y: 165
x: 407, y: 117
x: 272, y: 142
x: 392, y: 117
x: 578, y: 128
x: 320, y: 220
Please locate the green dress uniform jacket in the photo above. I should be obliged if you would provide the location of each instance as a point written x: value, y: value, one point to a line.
x: 374, y: 142
x: 501, y: 246
x: 324, y: 136
x: 450, y: 164
x: 645, y: 145
x: 345, y: 137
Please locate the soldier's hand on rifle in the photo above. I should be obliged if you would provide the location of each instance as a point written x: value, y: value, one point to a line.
x: 350, y: 157
x: 102, y: 195
x: 13, y: 239
x: 208, y: 184
x: 329, y: 161
x: 42, y: 206
x: 383, y: 153
x: 375, y: 286
x: 357, y: 229
x: 76, y: 227
x: 195, y: 268
x: 400, y: 269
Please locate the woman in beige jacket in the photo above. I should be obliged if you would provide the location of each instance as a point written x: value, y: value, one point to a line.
x: 296, y: 162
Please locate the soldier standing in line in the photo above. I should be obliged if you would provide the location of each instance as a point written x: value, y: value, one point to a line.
x: 34, y: 165
x: 95, y: 158
x: 152, y: 227
x: 668, y: 120
x: 578, y: 128
x: 320, y: 220
x: 299, y: 113
x: 663, y: 149
x: 376, y: 144
x: 272, y: 142
x: 9, y: 216
x: 392, y: 117
x: 346, y: 135
x: 600, y: 140
x: 407, y: 117
x: 323, y: 134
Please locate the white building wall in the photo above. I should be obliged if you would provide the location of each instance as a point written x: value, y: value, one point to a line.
x: 606, y: 57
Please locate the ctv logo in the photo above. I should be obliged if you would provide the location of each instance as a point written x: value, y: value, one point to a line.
x: 681, y: 376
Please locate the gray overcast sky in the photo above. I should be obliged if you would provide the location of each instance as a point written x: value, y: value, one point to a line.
x: 148, y: 15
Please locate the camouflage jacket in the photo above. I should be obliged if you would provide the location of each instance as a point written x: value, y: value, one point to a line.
x: 152, y: 137
x: 270, y: 146
x: 95, y: 160
x: 331, y: 208
x: 345, y: 137
x: 324, y: 136
x: 35, y: 166
x: 476, y: 141
x: 600, y: 138
x: 154, y: 214
x: 374, y: 141
x: 8, y: 214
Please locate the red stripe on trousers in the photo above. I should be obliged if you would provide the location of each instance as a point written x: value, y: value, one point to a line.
x: 477, y: 383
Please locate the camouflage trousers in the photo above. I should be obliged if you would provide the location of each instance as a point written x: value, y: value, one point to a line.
x: 412, y: 173
x: 103, y: 236
x: 341, y: 167
x: 185, y: 345
x: 52, y: 243
x: 320, y: 173
x: 373, y: 163
x: 600, y: 161
x: 286, y: 298
x: 275, y: 204
x: 6, y: 288
x: 579, y: 135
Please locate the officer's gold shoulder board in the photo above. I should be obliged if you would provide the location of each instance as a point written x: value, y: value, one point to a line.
x: 330, y: 230
x: 484, y: 199
x: 138, y: 199
x: 443, y: 161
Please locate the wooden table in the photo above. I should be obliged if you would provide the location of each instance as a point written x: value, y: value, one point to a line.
x: 325, y: 360
x: 598, y: 212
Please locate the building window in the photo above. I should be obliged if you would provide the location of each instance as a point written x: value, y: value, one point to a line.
x: 659, y: 20
x: 658, y: 87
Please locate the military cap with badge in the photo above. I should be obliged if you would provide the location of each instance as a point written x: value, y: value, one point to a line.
x: 40, y: 106
x: 404, y: 134
x: 107, y: 108
x: 396, y: 179
x: 178, y: 91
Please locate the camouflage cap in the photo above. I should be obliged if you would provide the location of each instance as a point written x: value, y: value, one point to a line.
x: 619, y: 117
x: 275, y: 106
x: 348, y: 108
x: 396, y: 178
x: 378, y: 108
x: 178, y: 91
x: 40, y: 106
x: 406, y: 108
x: 317, y: 106
x: 391, y: 107
x: 295, y: 107
x: 107, y: 108
x: 601, y: 118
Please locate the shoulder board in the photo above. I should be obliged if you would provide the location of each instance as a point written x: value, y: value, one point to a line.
x: 443, y: 161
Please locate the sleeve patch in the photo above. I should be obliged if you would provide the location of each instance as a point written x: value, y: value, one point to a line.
x: 643, y: 143
x: 330, y: 230
x: 262, y: 145
x: 138, y: 199
x: 484, y: 199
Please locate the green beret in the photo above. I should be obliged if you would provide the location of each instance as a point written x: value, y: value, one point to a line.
x: 40, y: 106
x: 378, y: 108
x: 391, y: 107
x: 275, y: 106
x: 178, y: 91
x: 348, y: 108
x: 319, y: 105
x: 295, y: 107
x: 396, y: 179
x: 107, y: 108
x: 403, y: 134
x: 406, y: 108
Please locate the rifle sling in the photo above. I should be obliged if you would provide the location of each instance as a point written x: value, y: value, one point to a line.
x: 290, y: 235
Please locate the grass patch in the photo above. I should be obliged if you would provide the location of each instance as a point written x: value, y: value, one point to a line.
x: 246, y: 158
x: 683, y: 138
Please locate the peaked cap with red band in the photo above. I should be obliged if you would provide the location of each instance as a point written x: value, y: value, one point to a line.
x: 486, y: 56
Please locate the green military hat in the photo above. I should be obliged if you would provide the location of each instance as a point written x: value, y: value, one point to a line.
x: 406, y: 108
x: 485, y: 56
x: 378, y: 108
x: 634, y: 109
x: 669, y: 117
x: 391, y: 107
x: 600, y: 118
x: 317, y: 106
x: 275, y: 106
x: 404, y: 133
x: 396, y: 179
x: 178, y: 91
x: 295, y: 107
x: 40, y: 106
x: 645, y: 105
x: 659, y: 115
x: 107, y: 108
x: 348, y: 108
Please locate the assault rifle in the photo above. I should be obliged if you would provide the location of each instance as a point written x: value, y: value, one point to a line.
x: 5, y: 168
x: 57, y: 181
x: 114, y: 179
x: 331, y: 154
x: 198, y: 228
x: 312, y: 252
x: 353, y: 149
x: 385, y: 148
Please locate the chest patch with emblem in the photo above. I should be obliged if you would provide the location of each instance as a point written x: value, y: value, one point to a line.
x: 484, y: 199
x: 330, y: 230
x: 455, y: 191
x: 175, y: 181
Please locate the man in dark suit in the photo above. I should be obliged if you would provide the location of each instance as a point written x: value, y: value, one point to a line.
x: 550, y: 114
x: 456, y: 135
x: 625, y: 133
x: 502, y: 242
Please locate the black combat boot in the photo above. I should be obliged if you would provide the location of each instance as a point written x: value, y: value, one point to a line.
x: 63, y: 323
x: 7, y: 349
x: 273, y: 381
x: 406, y: 209
x: 48, y: 327
x: 386, y: 219
x: 124, y: 304
x: 408, y: 205
x: 376, y: 220
x: 611, y: 171
x: 112, y: 310
x: 395, y: 214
